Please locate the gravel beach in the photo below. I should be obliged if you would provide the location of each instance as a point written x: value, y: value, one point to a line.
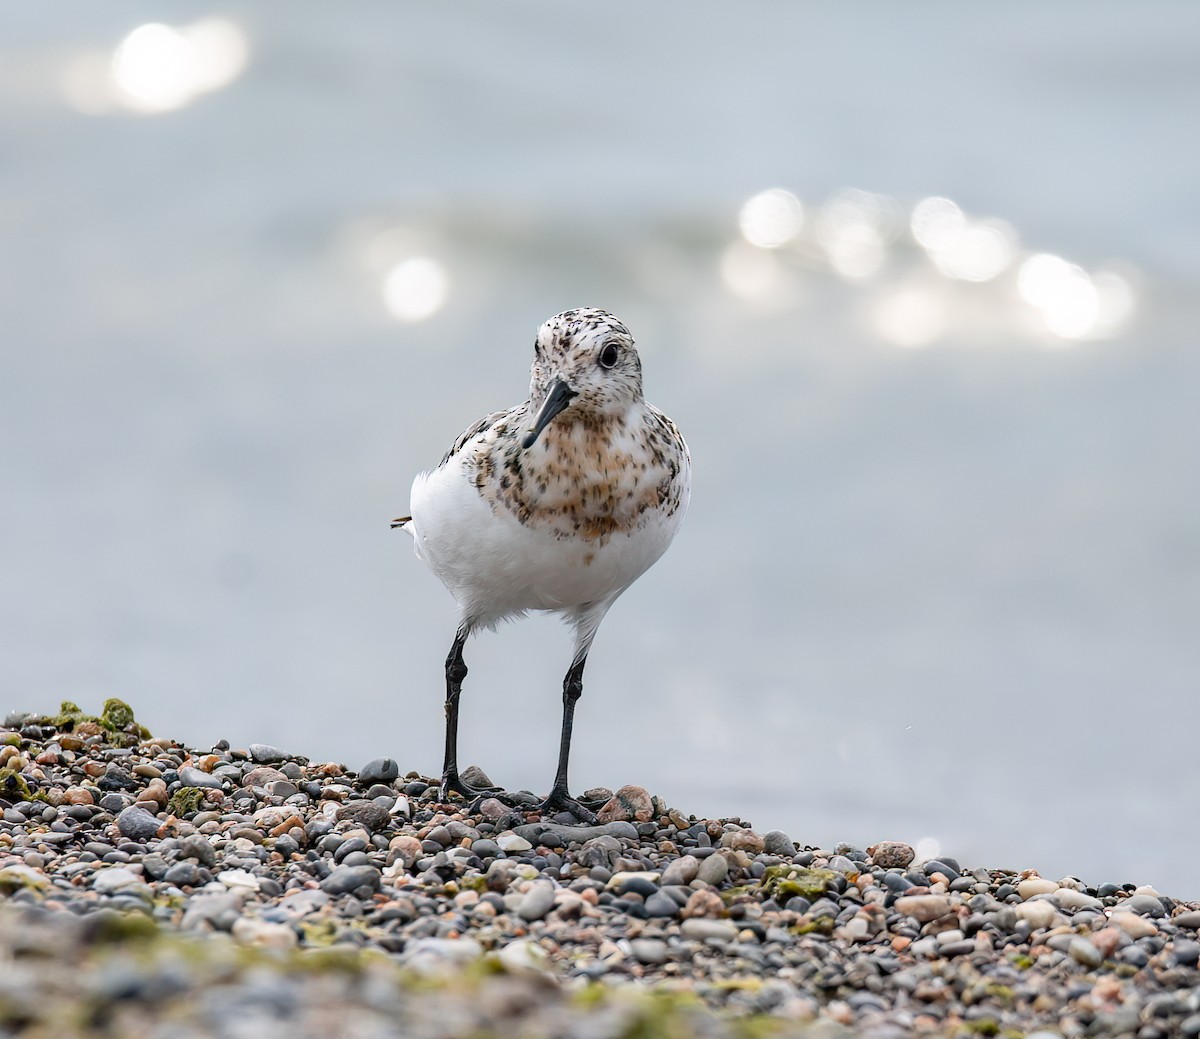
x: 150, y: 889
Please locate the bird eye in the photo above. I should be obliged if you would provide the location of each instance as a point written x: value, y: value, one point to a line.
x: 608, y: 356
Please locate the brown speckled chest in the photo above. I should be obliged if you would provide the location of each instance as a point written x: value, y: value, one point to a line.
x: 583, y: 479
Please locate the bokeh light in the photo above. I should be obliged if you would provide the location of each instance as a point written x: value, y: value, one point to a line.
x: 1063, y: 294
x: 937, y: 223
x: 415, y: 289
x: 771, y: 218
x: 855, y: 227
x: 158, y: 68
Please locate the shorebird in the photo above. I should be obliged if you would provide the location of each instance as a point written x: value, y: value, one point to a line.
x: 558, y: 504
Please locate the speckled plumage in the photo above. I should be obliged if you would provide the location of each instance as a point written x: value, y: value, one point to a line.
x: 561, y: 502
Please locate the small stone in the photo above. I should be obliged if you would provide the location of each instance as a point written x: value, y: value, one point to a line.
x: 1069, y: 898
x: 1189, y: 919
x: 650, y: 951
x: 513, y: 843
x: 1144, y: 905
x: 263, y: 775
x: 475, y: 777
x: 1083, y: 951
x: 701, y: 929
x: 189, y: 776
x: 117, y: 878
x: 629, y: 804
x: 660, y: 904
x: 492, y: 809
x: 524, y: 957
x: 379, y: 770
x: 704, y: 904
x: 345, y: 879
x: 137, y: 824
x: 440, y: 956
x: 405, y: 849
x: 366, y: 814
x: 250, y: 931
x: 743, y: 840
x: 537, y: 901
x: 183, y: 874
x: 681, y: 871
x: 1031, y: 886
x: 1039, y: 914
x: 1107, y: 940
x: 924, y: 908
x: 265, y: 754
x: 196, y: 847
x: 892, y: 855
x: 776, y: 842
x: 713, y: 870
x: 239, y: 880
x: 1186, y: 952
x: 1132, y: 924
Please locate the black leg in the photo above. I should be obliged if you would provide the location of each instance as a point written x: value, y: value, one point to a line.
x: 560, y: 797
x: 456, y: 671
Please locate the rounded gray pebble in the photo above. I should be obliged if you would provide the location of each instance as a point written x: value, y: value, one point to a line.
x: 537, y: 901
x: 189, y: 776
x: 661, y: 904
x: 345, y: 879
x: 137, y: 824
x: 379, y: 770
x: 713, y: 870
x: 649, y: 951
x: 265, y: 754
x: 1083, y: 951
x: 776, y: 842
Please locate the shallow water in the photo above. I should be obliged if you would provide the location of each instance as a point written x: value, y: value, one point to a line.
x: 945, y: 591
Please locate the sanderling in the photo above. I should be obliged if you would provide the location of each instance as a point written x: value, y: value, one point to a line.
x: 558, y: 504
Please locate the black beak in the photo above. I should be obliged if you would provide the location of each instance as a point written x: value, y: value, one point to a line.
x: 559, y: 397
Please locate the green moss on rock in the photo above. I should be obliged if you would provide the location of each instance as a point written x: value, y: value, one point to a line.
x: 13, y: 785
x: 787, y: 881
x: 185, y: 801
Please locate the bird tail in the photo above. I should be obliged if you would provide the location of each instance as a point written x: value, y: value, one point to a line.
x: 401, y: 521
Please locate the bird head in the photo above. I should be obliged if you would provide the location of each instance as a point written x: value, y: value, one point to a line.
x: 584, y: 366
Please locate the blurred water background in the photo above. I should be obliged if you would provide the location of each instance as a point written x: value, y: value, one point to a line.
x: 921, y: 287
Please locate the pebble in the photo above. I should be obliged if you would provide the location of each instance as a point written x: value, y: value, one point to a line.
x: 1031, y: 886
x: 892, y: 855
x: 628, y: 804
x: 924, y: 908
x: 282, y: 855
x: 190, y: 776
x: 137, y: 823
x: 537, y: 901
x: 379, y: 770
x: 513, y: 843
x: 118, y: 878
x: 1083, y: 951
x: 265, y: 754
x: 1038, y: 914
x: 713, y: 870
x: 649, y: 950
x: 776, y: 842
x: 345, y: 879
x: 700, y: 929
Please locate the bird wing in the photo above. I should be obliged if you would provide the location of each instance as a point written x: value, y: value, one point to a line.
x: 399, y: 521
x: 472, y: 431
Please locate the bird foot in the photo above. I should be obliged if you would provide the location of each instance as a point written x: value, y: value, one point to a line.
x: 453, y: 784
x: 560, y: 800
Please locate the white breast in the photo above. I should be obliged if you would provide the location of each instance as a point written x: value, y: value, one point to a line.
x: 495, y: 567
